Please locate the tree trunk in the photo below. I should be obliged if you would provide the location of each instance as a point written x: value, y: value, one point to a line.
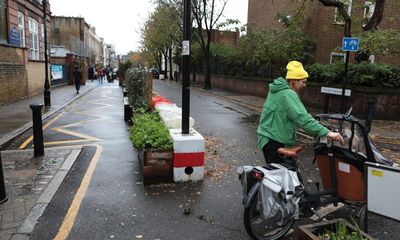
x: 207, y: 74
x: 159, y: 61
x: 170, y: 64
x: 194, y: 72
x: 166, y: 65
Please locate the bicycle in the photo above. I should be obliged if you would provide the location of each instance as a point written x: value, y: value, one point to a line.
x: 274, y: 196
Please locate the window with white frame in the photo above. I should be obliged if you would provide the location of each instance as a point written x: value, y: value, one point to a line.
x: 33, y: 39
x: 21, y: 29
x: 369, y: 8
x: 338, y: 19
x: 337, y: 57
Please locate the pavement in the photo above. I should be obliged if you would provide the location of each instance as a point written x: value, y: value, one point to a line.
x: 31, y: 182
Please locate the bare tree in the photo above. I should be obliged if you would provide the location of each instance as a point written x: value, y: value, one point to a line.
x: 206, y: 15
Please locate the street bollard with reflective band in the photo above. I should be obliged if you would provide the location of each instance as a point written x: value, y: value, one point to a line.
x: 3, y: 195
x: 38, y: 146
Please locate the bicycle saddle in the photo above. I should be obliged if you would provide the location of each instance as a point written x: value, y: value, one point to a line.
x: 290, y: 152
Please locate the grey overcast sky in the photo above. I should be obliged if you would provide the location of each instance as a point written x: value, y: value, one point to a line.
x: 119, y: 21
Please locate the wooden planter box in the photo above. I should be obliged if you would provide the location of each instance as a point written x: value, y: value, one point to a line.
x: 156, y: 166
x: 313, y: 231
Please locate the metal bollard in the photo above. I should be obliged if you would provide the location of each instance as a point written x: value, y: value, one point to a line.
x: 3, y: 195
x: 127, y: 111
x: 38, y: 146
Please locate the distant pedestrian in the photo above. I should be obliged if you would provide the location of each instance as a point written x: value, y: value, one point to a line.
x: 77, y: 79
x: 91, y: 73
x: 101, y: 74
x: 176, y: 76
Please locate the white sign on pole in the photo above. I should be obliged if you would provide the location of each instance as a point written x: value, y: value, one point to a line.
x: 186, y: 48
x: 383, y: 196
x: 336, y: 91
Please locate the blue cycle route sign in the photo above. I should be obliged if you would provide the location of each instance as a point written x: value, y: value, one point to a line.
x: 350, y: 44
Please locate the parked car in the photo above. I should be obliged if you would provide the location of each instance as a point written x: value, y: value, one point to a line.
x: 155, y: 73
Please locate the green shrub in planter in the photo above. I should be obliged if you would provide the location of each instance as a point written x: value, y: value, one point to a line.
x: 122, y: 67
x: 343, y: 233
x: 148, y: 131
x: 136, y: 86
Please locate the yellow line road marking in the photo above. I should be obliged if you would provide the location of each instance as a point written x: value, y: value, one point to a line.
x: 70, y: 217
x: 68, y: 132
x: 27, y: 141
x: 76, y: 134
x: 68, y: 141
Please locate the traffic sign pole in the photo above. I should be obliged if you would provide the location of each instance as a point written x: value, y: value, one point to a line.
x: 187, y: 24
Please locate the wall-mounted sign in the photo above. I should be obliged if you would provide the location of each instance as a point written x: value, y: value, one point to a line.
x: 56, y: 72
x: 335, y: 91
x: 14, y: 36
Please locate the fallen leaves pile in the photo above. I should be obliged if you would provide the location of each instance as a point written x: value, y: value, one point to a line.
x: 215, y: 168
x: 392, y: 155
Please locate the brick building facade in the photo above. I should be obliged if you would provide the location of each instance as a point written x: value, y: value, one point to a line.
x: 13, y: 75
x: 224, y: 37
x: 80, y: 39
x: 21, y: 49
x: 320, y: 24
x: 78, y: 36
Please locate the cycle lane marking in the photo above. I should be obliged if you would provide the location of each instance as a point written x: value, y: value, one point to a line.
x: 73, y: 210
x: 61, y: 129
x: 27, y: 141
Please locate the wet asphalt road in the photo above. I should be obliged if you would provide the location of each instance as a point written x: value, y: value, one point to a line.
x: 118, y: 206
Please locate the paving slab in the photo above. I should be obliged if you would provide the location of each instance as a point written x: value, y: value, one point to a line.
x: 30, y: 185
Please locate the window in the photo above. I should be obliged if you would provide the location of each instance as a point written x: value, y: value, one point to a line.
x: 369, y: 8
x: 3, y: 21
x: 338, y: 19
x: 33, y: 39
x: 21, y: 29
x: 337, y: 57
x: 371, y: 59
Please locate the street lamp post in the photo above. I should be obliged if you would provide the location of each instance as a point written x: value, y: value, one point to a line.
x: 347, y: 33
x: 187, y: 24
x: 46, y: 80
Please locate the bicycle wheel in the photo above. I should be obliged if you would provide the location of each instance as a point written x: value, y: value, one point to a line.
x: 260, y: 228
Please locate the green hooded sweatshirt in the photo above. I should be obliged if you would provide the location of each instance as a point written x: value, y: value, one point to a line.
x: 282, y: 112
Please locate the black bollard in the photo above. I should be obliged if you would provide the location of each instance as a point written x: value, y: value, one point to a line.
x: 38, y: 146
x: 3, y: 195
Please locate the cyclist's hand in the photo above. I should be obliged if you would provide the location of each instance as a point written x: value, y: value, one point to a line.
x: 336, y: 137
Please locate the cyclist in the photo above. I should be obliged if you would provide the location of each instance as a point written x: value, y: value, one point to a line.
x: 283, y: 111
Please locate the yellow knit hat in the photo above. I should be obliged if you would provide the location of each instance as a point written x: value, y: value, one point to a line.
x: 295, y: 71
